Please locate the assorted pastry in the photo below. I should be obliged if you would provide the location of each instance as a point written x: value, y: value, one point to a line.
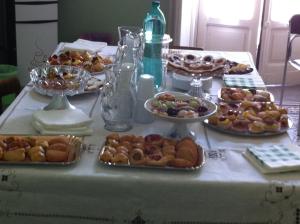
x: 91, y: 63
x: 93, y: 84
x: 60, y: 80
x: 151, y: 150
x: 250, y: 117
x: 37, y: 149
x: 167, y: 104
x: 187, y: 64
x: 228, y: 94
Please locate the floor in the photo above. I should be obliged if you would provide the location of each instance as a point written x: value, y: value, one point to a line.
x: 291, y: 101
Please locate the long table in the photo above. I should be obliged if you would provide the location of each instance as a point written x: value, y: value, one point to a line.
x: 227, y: 189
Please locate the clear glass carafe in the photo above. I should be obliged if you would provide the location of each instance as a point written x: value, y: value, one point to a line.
x: 132, y: 37
x: 117, y: 97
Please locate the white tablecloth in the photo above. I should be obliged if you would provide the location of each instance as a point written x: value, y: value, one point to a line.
x: 227, y: 189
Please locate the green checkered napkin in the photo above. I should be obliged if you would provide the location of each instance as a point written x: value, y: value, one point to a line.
x: 244, y: 81
x: 275, y: 158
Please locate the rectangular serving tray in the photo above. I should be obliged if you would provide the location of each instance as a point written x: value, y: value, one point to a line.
x: 201, y: 162
x: 74, y: 155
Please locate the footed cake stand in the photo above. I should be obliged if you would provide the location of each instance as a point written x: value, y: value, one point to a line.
x: 59, y: 81
x: 180, y: 124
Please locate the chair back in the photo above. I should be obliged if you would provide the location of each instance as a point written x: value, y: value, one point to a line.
x: 295, y: 24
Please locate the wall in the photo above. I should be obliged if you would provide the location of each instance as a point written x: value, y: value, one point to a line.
x: 81, y: 16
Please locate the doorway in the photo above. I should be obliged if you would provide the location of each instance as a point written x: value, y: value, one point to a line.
x: 235, y: 25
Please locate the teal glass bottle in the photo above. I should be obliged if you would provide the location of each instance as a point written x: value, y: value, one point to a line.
x: 154, y: 30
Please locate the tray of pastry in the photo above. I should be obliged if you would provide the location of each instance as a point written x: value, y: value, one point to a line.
x: 236, y: 95
x: 93, y: 63
x: 39, y: 150
x: 248, y: 118
x: 207, y: 65
x: 151, y: 151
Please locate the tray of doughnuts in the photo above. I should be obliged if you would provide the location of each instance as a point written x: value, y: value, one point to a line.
x: 249, y: 118
x: 39, y: 150
x: 207, y: 65
x: 151, y: 151
x: 236, y: 95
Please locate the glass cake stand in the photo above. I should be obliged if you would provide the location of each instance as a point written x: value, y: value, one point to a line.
x: 180, y: 128
x: 59, y: 81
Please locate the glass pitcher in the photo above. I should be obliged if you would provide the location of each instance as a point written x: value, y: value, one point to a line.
x: 132, y: 37
x: 117, y: 97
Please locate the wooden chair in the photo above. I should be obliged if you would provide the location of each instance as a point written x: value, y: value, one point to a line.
x: 9, y: 86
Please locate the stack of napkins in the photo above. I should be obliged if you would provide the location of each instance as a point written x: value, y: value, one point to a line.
x: 55, y: 122
x: 244, y: 81
x: 274, y: 158
x: 84, y: 45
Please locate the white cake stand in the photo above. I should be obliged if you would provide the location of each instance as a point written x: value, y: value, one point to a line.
x: 180, y: 127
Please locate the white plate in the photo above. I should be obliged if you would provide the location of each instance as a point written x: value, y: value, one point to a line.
x: 212, y: 108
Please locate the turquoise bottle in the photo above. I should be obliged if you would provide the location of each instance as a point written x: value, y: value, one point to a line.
x: 154, y: 30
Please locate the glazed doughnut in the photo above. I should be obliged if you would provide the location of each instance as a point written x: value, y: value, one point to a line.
x: 189, y: 59
x: 120, y: 158
x: 136, y: 156
x: 208, y: 58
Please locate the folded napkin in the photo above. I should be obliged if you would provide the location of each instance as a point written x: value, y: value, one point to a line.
x: 244, y: 81
x: 274, y: 158
x: 84, y: 45
x: 80, y: 131
x: 54, y: 119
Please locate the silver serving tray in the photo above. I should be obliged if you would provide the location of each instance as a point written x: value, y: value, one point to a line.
x: 272, y: 99
x: 201, y: 162
x: 248, y: 134
x: 74, y: 155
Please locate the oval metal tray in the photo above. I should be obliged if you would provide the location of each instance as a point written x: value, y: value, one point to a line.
x: 272, y: 98
x: 247, y: 134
